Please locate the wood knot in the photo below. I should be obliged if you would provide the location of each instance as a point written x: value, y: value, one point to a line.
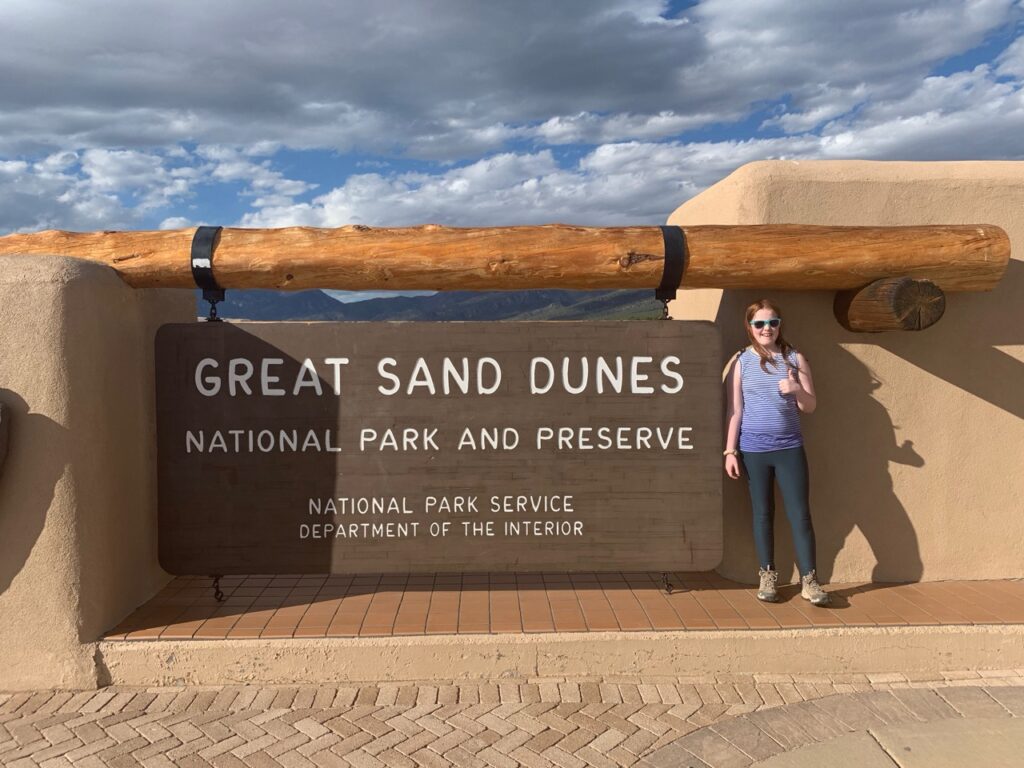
x: 633, y: 257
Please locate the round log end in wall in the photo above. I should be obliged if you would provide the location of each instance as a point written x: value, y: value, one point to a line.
x: 891, y: 304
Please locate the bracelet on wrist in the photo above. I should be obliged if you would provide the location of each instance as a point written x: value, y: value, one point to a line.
x: 733, y: 452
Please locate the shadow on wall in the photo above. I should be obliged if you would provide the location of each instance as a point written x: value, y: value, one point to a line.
x: 973, y: 327
x: 841, y: 500
x: 962, y: 349
x: 36, y: 460
x: 852, y: 443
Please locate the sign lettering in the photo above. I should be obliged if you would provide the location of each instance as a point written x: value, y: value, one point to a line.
x: 405, y: 447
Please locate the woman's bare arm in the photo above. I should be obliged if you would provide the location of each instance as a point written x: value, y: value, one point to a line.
x: 734, y: 405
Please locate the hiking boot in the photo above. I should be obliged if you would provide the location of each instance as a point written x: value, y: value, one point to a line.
x: 766, y: 591
x: 811, y: 590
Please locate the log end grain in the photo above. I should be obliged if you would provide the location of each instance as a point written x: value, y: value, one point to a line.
x: 890, y: 304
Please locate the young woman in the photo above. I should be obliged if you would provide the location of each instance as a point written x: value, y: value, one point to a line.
x: 768, y: 385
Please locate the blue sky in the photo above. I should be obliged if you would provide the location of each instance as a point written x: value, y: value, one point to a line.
x: 142, y: 115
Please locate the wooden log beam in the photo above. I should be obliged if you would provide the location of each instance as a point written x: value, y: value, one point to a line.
x: 892, y: 304
x: 779, y: 257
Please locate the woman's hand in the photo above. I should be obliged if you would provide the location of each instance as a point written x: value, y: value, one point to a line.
x: 732, y: 466
x: 790, y: 385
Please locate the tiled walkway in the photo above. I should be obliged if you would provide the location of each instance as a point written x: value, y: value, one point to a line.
x: 389, y: 604
x: 730, y: 722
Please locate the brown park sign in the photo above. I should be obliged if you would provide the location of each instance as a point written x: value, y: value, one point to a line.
x: 411, y: 447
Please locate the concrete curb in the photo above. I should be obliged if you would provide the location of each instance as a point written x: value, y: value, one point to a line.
x: 849, y: 650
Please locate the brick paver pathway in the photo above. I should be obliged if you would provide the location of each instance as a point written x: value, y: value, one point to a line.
x: 570, y: 723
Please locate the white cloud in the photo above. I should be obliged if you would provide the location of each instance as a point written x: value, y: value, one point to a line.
x: 56, y: 164
x: 12, y: 168
x: 143, y: 176
x: 433, y: 79
x: 483, y: 187
x: 965, y: 115
x: 619, y: 184
x: 454, y: 79
x: 93, y: 189
x: 589, y: 128
x: 1011, y: 61
x: 826, y: 104
x: 829, y: 57
x: 31, y: 201
x: 268, y: 187
x: 117, y: 111
x: 974, y: 114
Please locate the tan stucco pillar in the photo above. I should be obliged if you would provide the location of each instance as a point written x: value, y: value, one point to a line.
x: 78, y: 488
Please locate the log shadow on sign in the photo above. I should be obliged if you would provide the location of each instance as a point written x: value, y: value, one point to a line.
x: 232, y: 503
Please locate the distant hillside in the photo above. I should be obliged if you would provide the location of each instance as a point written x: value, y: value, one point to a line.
x: 447, y: 305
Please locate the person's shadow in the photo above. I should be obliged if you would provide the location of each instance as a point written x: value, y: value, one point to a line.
x: 851, y: 484
x: 37, y: 455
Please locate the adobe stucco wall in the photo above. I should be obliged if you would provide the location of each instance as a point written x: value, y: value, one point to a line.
x: 78, y: 488
x: 916, y: 449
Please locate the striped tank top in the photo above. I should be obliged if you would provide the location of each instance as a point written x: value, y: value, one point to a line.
x: 771, y: 420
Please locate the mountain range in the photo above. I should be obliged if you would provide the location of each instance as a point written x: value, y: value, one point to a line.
x: 445, y: 305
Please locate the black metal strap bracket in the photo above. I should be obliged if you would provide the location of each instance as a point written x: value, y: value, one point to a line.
x: 674, y: 267
x: 202, y: 268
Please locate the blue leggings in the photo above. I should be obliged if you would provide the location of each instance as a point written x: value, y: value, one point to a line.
x: 789, y: 467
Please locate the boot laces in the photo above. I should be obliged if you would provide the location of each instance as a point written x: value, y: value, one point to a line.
x: 811, y: 583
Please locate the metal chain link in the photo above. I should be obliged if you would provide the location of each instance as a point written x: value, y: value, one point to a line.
x: 665, y: 583
x: 218, y: 595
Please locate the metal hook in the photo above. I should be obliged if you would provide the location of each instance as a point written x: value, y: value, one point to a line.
x: 213, y: 296
x: 218, y: 595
